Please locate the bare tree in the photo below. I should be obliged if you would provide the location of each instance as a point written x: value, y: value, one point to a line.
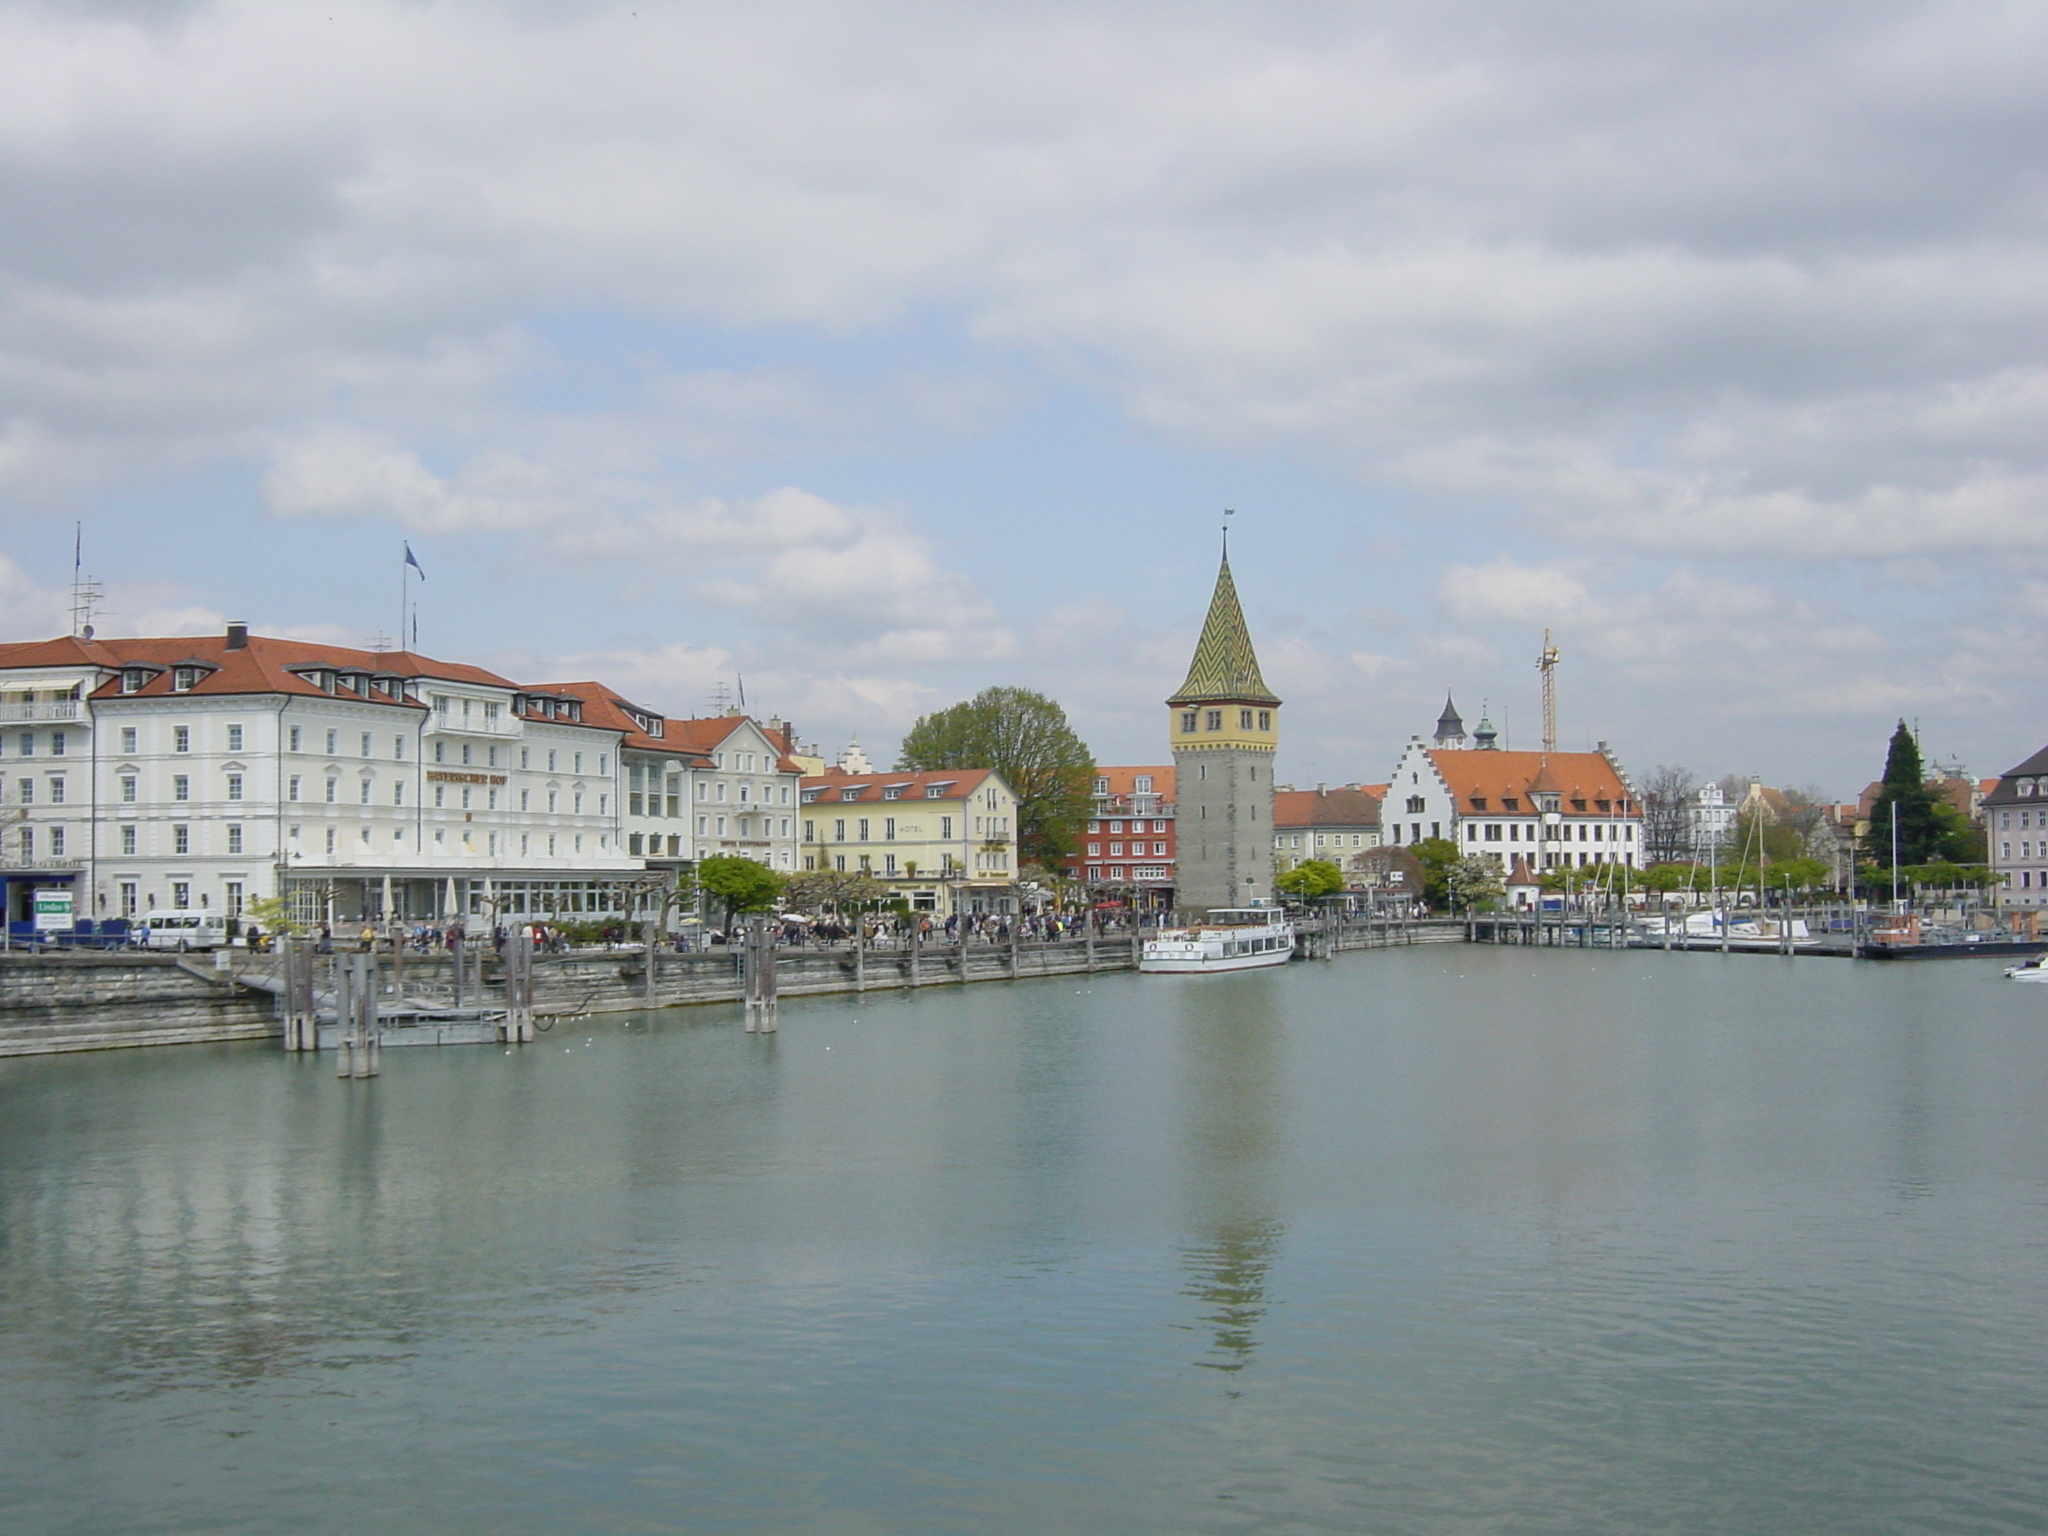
x: 1667, y: 814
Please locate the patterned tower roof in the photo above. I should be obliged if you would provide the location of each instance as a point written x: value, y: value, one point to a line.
x: 1225, y: 668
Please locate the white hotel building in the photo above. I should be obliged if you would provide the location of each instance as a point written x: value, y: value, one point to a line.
x: 205, y: 772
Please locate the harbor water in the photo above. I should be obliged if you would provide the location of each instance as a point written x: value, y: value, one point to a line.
x: 1431, y: 1240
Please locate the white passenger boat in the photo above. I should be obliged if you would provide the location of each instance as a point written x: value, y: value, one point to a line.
x: 1228, y: 939
x: 2034, y: 968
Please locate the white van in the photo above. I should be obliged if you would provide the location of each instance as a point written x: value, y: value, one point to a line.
x: 182, y: 930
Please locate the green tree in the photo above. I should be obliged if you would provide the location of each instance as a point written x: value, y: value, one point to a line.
x: 1311, y: 878
x: 742, y: 885
x: 271, y: 913
x: 1023, y: 736
x: 1921, y: 829
x: 1437, y: 855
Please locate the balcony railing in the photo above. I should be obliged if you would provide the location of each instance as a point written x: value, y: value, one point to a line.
x: 46, y: 709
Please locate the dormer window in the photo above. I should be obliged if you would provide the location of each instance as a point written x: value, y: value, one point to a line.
x: 134, y: 680
x: 2024, y: 786
x: 1510, y: 803
x: 936, y: 791
x: 1602, y: 806
x: 849, y: 794
x: 1479, y: 802
x: 183, y: 678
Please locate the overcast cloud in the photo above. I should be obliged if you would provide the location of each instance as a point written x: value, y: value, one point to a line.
x: 878, y: 353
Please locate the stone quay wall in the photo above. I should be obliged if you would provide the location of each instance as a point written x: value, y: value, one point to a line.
x: 88, y: 1001
x: 91, y: 1002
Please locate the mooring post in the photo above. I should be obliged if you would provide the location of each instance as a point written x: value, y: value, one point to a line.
x: 518, y: 1026
x: 759, y: 976
x: 1088, y: 939
x: 916, y: 949
x: 455, y: 956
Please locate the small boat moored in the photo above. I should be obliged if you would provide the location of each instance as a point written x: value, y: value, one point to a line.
x: 1228, y: 939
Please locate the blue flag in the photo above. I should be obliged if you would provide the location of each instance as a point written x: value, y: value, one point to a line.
x: 412, y: 561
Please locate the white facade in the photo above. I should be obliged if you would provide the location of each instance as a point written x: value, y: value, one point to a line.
x: 1557, y: 810
x: 362, y: 785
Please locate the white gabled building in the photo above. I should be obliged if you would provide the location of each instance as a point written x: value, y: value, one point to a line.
x: 694, y: 788
x: 1557, y: 810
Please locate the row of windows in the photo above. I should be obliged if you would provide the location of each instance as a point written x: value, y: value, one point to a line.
x: 1116, y: 827
x: 1116, y: 850
x: 863, y: 826
x: 56, y: 840
x: 1141, y: 785
x: 1097, y: 872
x: 1211, y: 720
x: 864, y: 863
x: 1334, y: 840
x: 1517, y: 832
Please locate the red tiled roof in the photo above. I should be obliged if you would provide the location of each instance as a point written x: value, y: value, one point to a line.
x: 1342, y: 807
x: 262, y: 664
x: 1123, y: 782
x: 871, y: 787
x: 1494, y: 776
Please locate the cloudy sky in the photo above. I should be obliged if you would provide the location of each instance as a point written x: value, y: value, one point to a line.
x: 876, y: 353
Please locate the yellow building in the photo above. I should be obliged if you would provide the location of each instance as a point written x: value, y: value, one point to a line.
x: 944, y: 841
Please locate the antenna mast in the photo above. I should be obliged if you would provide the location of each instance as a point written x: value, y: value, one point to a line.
x: 1546, y: 663
x: 85, y: 590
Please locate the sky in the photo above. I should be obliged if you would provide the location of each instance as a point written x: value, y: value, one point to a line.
x: 869, y: 355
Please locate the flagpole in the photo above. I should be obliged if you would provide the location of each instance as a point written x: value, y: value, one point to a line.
x: 404, y: 597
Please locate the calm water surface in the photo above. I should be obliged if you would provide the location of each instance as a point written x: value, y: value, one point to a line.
x: 1437, y: 1240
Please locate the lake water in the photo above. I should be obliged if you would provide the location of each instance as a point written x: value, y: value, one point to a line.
x: 1436, y: 1240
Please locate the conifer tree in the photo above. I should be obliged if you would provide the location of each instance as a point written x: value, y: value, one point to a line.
x: 1923, y: 832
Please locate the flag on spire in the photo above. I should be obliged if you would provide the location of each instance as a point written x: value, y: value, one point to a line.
x: 412, y: 560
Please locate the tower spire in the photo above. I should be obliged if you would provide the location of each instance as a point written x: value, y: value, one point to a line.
x: 1224, y: 666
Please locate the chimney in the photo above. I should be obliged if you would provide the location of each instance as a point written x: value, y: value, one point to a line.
x: 238, y: 637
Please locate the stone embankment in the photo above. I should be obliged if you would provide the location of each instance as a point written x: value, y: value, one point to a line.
x: 84, y: 1002
x: 90, y: 1002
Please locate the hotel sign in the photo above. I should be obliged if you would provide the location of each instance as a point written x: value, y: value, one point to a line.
x: 442, y: 776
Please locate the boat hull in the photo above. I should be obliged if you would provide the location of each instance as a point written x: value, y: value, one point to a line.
x: 1195, y: 965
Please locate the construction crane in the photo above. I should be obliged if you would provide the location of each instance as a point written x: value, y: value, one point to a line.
x: 1546, y: 663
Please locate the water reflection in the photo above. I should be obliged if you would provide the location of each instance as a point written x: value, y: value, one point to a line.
x: 1232, y: 1056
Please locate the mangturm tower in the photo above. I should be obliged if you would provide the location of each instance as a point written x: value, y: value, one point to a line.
x: 1225, y: 728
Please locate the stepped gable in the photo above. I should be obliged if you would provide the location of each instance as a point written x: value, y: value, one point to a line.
x: 1482, y: 782
x: 1225, y: 668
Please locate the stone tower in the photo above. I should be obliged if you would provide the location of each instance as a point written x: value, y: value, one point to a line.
x: 1225, y: 728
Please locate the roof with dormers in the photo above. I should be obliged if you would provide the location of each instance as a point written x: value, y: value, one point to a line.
x: 1481, y: 783
x: 835, y: 786
x: 644, y: 730
x: 261, y: 664
x: 1225, y: 669
x: 2008, y: 790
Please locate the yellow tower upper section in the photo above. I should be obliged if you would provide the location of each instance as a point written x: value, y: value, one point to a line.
x: 1224, y: 700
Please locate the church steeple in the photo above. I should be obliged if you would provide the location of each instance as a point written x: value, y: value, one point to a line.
x: 1450, y: 729
x: 1225, y: 668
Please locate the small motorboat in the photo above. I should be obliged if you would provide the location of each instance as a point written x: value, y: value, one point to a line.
x: 2033, y: 968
